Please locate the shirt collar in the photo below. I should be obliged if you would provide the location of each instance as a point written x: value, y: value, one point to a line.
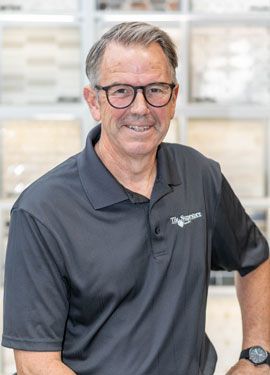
x: 167, y: 171
x: 101, y: 187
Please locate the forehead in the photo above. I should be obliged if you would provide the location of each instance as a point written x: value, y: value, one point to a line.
x: 134, y: 61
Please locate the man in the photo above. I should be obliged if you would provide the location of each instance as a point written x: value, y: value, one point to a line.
x: 109, y: 254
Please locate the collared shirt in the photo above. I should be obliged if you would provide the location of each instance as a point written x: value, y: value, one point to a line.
x: 116, y: 281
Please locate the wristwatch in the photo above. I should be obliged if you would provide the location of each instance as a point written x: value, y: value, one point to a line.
x: 256, y: 355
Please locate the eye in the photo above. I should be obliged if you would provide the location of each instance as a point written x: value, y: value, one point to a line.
x: 157, y: 90
x: 120, y: 91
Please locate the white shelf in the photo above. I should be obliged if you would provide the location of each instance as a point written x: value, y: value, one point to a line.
x: 37, y: 19
x: 205, y: 110
x: 68, y: 111
x: 118, y: 16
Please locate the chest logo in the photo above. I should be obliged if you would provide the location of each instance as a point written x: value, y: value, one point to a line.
x: 185, y: 219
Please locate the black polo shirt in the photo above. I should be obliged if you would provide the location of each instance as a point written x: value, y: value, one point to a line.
x: 118, y: 282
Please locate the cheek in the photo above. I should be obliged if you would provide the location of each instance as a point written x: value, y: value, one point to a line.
x: 164, y: 118
x: 110, y: 116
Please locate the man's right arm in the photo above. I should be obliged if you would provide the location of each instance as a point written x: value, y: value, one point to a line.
x: 40, y: 363
x: 36, y: 301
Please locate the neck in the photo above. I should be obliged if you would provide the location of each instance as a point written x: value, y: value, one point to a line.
x: 136, y: 174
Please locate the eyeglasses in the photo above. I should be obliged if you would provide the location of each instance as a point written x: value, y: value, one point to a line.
x: 122, y: 95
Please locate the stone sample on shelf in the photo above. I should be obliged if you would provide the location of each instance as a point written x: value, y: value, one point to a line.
x: 49, y: 65
x: 32, y: 148
x: 230, y: 6
x: 139, y: 5
x: 229, y: 66
x: 239, y: 148
x: 54, y: 6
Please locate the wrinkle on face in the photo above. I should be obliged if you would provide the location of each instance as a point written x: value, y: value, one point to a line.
x: 137, y: 66
x: 142, y: 71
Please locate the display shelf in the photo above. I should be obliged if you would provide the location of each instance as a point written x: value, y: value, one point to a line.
x: 49, y: 6
x: 253, y: 7
x: 229, y: 18
x: 141, y: 5
x: 228, y: 65
x: 49, y: 65
x: 223, y: 278
x: 32, y: 148
x: 183, y: 16
x: 215, y: 110
x: 43, y: 119
x: 54, y: 111
x: 229, y: 6
x: 239, y: 146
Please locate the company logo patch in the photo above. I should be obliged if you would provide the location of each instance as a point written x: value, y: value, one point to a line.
x: 185, y: 219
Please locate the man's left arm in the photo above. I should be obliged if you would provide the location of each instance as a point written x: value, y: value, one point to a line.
x: 253, y: 292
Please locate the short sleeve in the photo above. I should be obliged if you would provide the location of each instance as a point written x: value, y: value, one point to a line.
x: 237, y: 242
x: 35, y: 288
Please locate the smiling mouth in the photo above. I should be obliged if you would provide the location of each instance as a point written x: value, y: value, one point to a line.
x: 139, y: 129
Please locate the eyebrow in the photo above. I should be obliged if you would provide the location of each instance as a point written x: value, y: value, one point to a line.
x: 129, y: 84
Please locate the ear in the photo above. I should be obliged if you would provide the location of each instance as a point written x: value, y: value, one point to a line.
x: 91, y: 98
x: 174, y: 97
x: 175, y: 93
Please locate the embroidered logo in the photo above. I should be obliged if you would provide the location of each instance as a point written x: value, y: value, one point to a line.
x: 185, y: 219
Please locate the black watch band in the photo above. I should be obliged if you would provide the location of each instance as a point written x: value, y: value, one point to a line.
x: 256, y: 355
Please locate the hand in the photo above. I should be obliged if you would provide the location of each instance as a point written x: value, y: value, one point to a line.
x: 244, y: 367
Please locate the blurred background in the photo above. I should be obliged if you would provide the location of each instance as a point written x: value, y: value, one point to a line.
x: 223, y: 109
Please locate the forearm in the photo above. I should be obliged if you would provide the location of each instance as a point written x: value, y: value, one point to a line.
x: 55, y: 368
x: 37, y: 363
x: 253, y: 291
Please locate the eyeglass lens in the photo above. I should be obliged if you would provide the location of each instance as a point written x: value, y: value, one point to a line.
x: 121, y: 96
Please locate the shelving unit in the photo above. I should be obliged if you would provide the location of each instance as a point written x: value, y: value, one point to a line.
x: 228, y: 43
x: 43, y: 119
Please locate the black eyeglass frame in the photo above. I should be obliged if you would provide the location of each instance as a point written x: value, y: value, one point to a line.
x: 136, y: 88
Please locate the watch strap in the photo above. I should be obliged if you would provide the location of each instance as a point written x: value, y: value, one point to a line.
x: 244, y: 354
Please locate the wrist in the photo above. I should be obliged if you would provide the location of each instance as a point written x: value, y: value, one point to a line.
x: 257, y: 355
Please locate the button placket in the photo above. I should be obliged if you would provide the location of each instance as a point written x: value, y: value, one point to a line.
x: 158, y: 241
x: 157, y: 221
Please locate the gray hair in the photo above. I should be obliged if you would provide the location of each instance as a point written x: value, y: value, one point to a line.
x: 130, y: 33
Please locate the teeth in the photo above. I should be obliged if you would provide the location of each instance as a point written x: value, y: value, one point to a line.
x: 139, y: 128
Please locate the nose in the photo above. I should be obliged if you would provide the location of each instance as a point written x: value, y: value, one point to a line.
x: 139, y: 106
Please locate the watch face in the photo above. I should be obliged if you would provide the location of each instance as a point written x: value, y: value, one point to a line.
x: 257, y: 354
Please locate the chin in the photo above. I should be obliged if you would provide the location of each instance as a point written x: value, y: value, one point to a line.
x: 140, y: 150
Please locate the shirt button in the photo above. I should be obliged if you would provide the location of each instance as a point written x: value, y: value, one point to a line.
x: 157, y: 230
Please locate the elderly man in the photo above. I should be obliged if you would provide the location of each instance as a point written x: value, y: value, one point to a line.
x: 109, y: 253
